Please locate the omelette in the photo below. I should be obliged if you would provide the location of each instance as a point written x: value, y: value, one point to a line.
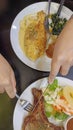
x: 32, y: 35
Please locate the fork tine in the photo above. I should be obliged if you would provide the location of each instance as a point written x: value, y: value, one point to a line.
x: 28, y: 108
x: 26, y: 105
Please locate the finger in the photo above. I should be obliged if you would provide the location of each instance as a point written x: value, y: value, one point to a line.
x: 13, y: 81
x: 55, y: 67
x: 9, y: 90
x: 65, y: 68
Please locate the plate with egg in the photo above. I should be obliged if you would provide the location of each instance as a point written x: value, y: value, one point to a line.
x: 29, y: 38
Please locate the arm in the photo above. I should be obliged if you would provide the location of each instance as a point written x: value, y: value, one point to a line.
x: 7, y: 78
x: 63, y: 52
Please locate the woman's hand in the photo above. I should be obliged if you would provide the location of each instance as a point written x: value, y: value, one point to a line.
x: 7, y: 78
x: 63, y: 52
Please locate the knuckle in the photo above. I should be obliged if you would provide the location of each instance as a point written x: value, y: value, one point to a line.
x: 9, y: 88
x: 64, y: 73
x: 6, y: 81
x: 59, y: 58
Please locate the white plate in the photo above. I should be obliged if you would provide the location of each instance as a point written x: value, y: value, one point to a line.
x: 42, y: 64
x: 19, y: 113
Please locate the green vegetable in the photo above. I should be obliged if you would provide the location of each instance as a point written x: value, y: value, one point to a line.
x: 48, y: 114
x: 60, y: 116
x: 49, y: 99
x: 54, y: 85
x: 48, y: 109
x: 57, y: 24
x: 47, y: 91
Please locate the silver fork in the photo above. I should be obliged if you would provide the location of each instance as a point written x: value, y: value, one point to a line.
x: 60, y: 7
x: 46, y: 23
x: 26, y: 105
x: 58, y: 13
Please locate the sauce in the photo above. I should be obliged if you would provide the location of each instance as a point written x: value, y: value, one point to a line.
x: 70, y: 124
x: 49, y: 51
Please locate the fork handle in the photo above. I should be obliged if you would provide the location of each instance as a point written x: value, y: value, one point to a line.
x: 49, y: 3
x: 17, y: 96
x: 60, y: 7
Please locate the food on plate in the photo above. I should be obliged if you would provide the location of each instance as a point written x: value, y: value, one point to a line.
x: 37, y: 119
x: 69, y: 124
x: 32, y: 35
x: 56, y: 25
x: 58, y: 102
x: 50, y: 48
x: 55, y: 106
x: 68, y: 94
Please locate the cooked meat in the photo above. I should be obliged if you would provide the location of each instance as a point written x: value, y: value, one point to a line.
x: 35, y: 37
x: 37, y: 119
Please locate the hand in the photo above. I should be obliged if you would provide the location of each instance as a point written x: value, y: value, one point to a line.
x: 63, y: 52
x: 7, y: 78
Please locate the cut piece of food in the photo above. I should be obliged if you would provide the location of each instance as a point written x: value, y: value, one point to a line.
x: 68, y: 94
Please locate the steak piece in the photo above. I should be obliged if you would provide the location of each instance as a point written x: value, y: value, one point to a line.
x: 37, y: 119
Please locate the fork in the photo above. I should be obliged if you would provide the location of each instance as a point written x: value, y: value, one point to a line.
x: 26, y: 105
x: 46, y: 23
x: 58, y: 13
x: 60, y: 7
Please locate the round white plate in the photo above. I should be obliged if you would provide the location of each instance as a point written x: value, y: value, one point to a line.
x: 43, y: 63
x: 19, y: 113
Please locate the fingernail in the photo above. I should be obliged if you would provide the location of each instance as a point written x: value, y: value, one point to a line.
x: 13, y: 93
